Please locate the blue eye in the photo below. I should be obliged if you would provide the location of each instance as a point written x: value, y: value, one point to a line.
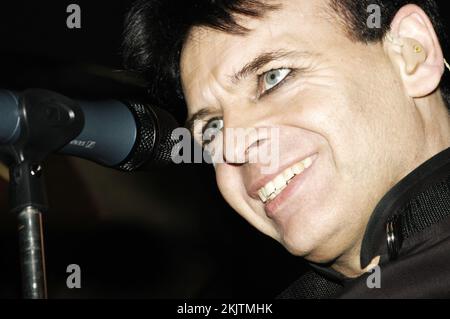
x: 212, y: 129
x: 272, y: 78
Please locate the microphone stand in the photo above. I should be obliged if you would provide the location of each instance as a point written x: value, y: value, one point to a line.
x: 48, y: 121
x: 29, y: 203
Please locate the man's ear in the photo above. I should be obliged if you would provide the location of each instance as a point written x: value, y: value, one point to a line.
x: 414, y: 47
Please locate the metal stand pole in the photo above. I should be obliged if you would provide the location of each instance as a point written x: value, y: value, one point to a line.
x: 28, y: 201
x: 31, y: 246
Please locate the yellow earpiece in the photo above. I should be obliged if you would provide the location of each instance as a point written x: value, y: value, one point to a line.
x: 412, y: 51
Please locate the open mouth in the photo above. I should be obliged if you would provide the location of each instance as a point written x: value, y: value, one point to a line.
x: 274, y: 188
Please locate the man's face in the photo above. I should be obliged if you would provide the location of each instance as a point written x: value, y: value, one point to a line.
x: 335, y: 101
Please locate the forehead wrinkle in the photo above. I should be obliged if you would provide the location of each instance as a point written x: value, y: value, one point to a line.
x: 203, y: 60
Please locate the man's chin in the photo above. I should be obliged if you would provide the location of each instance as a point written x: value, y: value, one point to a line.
x: 310, y: 251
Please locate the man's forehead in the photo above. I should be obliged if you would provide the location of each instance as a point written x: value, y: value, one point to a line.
x: 208, y: 54
x: 293, y: 21
x: 225, y: 64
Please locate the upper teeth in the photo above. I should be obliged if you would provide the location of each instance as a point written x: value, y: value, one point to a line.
x: 279, y: 183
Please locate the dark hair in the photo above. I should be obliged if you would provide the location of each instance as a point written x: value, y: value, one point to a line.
x: 155, y: 31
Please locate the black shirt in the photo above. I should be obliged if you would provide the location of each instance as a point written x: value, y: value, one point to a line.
x: 410, y: 231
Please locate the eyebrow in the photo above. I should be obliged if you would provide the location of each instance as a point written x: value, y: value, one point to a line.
x: 250, y: 68
x: 262, y: 60
x: 197, y: 116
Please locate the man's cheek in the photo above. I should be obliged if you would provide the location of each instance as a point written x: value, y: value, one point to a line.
x: 225, y: 182
x: 230, y: 186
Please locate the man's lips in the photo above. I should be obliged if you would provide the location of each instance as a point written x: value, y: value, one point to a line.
x: 268, y: 187
x: 275, y: 208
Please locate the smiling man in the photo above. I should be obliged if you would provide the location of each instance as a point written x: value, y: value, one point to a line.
x: 363, y: 130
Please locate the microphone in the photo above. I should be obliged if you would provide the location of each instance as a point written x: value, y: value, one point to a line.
x: 123, y: 135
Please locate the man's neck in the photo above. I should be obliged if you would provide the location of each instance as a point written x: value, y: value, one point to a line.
x: 436, y: 121
x: 349, y: 264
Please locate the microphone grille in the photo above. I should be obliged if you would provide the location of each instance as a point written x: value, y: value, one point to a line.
x: 166, y: 142
x: 154, y: 142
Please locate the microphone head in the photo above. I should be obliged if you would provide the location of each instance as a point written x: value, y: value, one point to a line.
x: 154, y: 141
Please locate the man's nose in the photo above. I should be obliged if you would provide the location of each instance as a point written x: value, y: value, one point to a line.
x: 241, y: 145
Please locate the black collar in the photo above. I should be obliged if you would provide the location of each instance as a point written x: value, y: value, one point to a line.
x: 392, y: 211
x: 395, y: 217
